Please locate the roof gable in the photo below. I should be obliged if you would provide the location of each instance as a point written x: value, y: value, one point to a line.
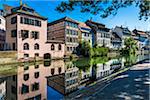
x: 25, y: 9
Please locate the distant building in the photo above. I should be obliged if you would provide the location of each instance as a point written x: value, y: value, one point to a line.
x: 142, y: 38
x: 85, y: 33
x: 2, y: 30
x: 65, y: 29
x: 26, y: 33
x: 115, y: 41
x: 100, y: 34
x: 123, y: 33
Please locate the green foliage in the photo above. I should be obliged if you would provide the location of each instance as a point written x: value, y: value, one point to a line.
x: 85, y: 63
x: 130, y: 46
x: 86, y: 50
x: 105, y: 7
x: 99, y: 51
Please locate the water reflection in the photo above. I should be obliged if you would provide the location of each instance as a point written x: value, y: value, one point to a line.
x: 32, y: 81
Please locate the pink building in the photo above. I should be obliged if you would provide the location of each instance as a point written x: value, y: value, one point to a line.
x: 26, y: 33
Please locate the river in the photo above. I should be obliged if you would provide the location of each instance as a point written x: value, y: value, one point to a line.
x: 92, y: 79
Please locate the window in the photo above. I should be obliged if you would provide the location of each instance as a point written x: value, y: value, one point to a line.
x: 14, y: 77
x: 26, y: 67
x: 74, y: 48
x: 24, y: 89
x: 67, y: 48
x: 36, y: 74
x: 59, y: 47
x: 26, y: 77
x: 24, y: 34
x: 13, y: 20
x: 29, y: 21
x: 36, y: 46
x: 70, y: 39
x: 67, y: 31
x: 26, y: 46
x: 26, y: 55
x: 35, y: 86
x: 14, y: 33
x: 21, y: 20
x: 59, y: 70
x: 36, y: 54
x: 14, y: 46
x: 36, y: 66
x: 35, y: 35
x: 37, y: 23
x: 13, y: 90
x: 70, y: 48
x: 52, y: 47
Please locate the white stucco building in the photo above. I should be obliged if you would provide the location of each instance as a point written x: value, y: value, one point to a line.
x: 2, y: 30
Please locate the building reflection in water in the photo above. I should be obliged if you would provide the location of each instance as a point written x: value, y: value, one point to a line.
x: 67, y: 81
x: 32, y: 81
x: 2, y: 88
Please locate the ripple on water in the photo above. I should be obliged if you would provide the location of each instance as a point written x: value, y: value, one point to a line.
x: 138, y: 79
x: 147, y: 83
x: 137, y: 97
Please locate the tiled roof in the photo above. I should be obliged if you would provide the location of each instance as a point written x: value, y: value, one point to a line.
x: 96, y: 23
x: 25, y: 9
x: 115, y: 36
x: 83, y: 27
x: 63, y: 19
x: 139, y: 32
x: 81, y: 24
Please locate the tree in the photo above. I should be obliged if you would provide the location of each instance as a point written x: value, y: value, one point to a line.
x: 130, y: 45
x: 84, y: 48
x: 105, y: 7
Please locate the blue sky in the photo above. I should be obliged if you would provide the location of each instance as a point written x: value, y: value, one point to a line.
x: 127, y: 17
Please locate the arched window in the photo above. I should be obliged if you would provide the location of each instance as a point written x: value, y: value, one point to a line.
x: 36, y: 46
x: 26, y: 46
x: 52, y: 47
x: 26, y: 77
x: 59, y: 47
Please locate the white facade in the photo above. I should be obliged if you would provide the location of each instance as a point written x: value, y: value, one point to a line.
x: 2, y: 32
x: 123, y: 33
x: 103, y: 38
x: 2, y: 23
x: 85, y: 32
